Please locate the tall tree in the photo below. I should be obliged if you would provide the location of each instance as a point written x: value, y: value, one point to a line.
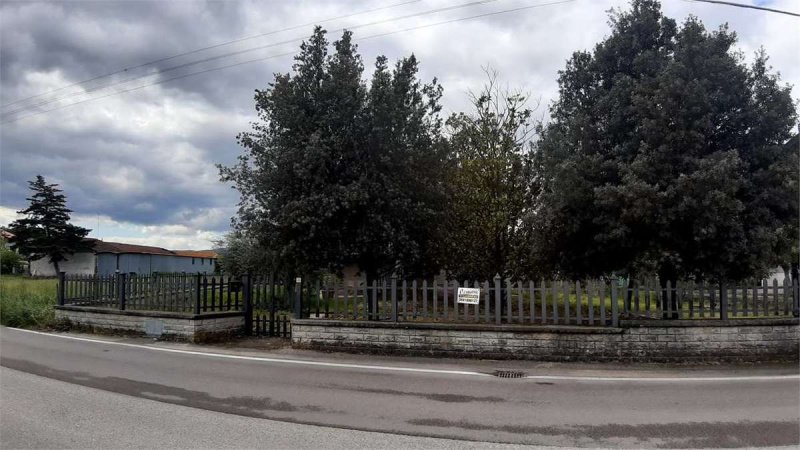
x: 492, y: 184
x: 665, y: 155
x: 335, y: 173
x: 45, y: 231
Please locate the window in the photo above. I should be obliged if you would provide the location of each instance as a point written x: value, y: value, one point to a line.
x: 192, y: 261
x: 202, y: 261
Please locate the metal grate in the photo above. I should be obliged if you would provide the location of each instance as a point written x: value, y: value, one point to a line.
x: 509, y: 374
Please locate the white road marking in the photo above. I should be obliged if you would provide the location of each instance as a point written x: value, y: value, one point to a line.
x: 417, y: 370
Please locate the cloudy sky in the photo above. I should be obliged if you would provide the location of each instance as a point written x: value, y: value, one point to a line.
x: 135, y: 153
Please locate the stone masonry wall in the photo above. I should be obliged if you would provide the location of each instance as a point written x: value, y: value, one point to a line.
x: 656, y: 341
x: 175, y: 326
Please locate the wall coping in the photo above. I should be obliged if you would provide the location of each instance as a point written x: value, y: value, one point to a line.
x: 155, y: 314
x: 562, y: 329
x: 645, y: 323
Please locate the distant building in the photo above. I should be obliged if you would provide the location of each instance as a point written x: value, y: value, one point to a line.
x: 109, y: 257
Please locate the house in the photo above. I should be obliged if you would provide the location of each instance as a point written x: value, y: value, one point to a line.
x: 107, y: 258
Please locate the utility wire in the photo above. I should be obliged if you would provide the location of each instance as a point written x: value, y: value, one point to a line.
x: 222, y: 44
x: 248, y: 50
x: 742, y: 5
x: 477, y: 16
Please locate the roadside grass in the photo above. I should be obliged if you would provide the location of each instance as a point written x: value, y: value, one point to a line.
x: 27, y: 302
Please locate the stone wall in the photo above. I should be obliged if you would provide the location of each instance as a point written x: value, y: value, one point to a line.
x: 650, y: 341
x: 194, y: 328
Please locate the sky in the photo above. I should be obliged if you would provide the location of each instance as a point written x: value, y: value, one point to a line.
x: 135, y: 152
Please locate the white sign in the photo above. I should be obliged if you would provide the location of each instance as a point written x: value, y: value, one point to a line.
x: 470, y: 296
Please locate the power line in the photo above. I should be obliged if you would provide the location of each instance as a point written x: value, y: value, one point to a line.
x: 248, y: 50
x: 506, y: 11
x: 742, y: 5
x: 222, y: 44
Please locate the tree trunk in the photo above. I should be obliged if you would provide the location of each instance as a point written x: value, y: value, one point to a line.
x: 56, y: 266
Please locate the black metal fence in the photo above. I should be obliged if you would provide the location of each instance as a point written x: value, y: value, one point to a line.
x: 263, y: 301
x: 267, y: 302
x: 598, y: 303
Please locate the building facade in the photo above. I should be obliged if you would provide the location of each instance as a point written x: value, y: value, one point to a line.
x: 107, y: 258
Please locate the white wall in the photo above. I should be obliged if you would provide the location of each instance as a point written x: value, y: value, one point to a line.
x: 776, y: 274
x: 78, y: 263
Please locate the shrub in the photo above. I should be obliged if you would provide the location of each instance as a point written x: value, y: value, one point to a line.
x: 9, y: 261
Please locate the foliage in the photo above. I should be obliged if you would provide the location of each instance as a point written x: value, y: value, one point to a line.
x: 241, y: 254
x: 335, y: 173
x: 46, y: 231
x: 665, y: 154
x: 492, y: 184
x: 27, y: 302
x: 10, y: 261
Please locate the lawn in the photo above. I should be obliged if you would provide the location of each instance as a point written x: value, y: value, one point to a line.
x: 27, y: 302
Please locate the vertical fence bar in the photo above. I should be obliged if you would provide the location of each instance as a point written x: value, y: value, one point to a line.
x: 591, y: 290
x: 374, y: 299
x: 413, y: 299
x: 435, y: 298
x: 795, y: 297
x: 579, y: 302
x: 555, y: 302
x: 786, y: 297
x: 404, y: 295
x: 775, y: 296
x: 424, y: 298
x: 497, y: 294
x: 62, y: 288
x: 614, y: 305
x: 602, y: 286
x: 486, y: 302
x: 394, y: 297
x: 509, y: 295
x: 543, y: 287
x: 247, y: 293
x: 121, y: 294
x: 566, y: 302
x: 723, y: 302
x: 532, y: 296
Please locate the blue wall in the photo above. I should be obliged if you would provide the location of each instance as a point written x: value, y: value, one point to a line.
x: 108, y: 263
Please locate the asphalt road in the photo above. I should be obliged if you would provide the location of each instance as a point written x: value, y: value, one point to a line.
x: 747, y: 412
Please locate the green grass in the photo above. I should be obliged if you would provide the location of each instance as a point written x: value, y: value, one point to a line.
x: 27, y: 302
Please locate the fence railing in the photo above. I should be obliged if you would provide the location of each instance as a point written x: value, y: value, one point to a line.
x: 266, y: 302
x: 185, y: 293
x: 599, y: 303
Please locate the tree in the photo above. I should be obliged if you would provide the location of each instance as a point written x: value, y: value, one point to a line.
x: 666, y: 155
x: 334, y: 173
x: 492, y: 184
x: 45, y: 232
x: 10, y: 261
x: 241, y: 253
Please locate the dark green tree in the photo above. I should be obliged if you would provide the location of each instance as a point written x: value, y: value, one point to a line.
x: 335, y: 173
x: 492, y: 184
x: 45, y: 231
x: 666, y: 155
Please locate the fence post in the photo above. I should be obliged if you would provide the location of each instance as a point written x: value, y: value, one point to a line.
x: 614, y: 305
x: 497, y: 294
x: 795, y: 297
x: 394, y: 298
x: 121, y: 290
x: 248, y: 304
x: 61, y: 292
x: 723, y: 302
x: 197, y: 294
x: 272, y: 306
x: 298, y: 298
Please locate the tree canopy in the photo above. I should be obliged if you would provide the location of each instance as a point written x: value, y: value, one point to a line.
x: 665, y: 154
x: 45, y: 231
x: 336, y: 173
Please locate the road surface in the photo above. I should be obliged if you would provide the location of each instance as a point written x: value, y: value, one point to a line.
x: 415, y: 401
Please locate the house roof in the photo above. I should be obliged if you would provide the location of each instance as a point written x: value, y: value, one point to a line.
x: 118, y: 247
x: 197, y: 253
x: 6, y: 234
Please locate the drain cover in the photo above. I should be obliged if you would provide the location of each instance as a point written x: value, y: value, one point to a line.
x: 509, y: 373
